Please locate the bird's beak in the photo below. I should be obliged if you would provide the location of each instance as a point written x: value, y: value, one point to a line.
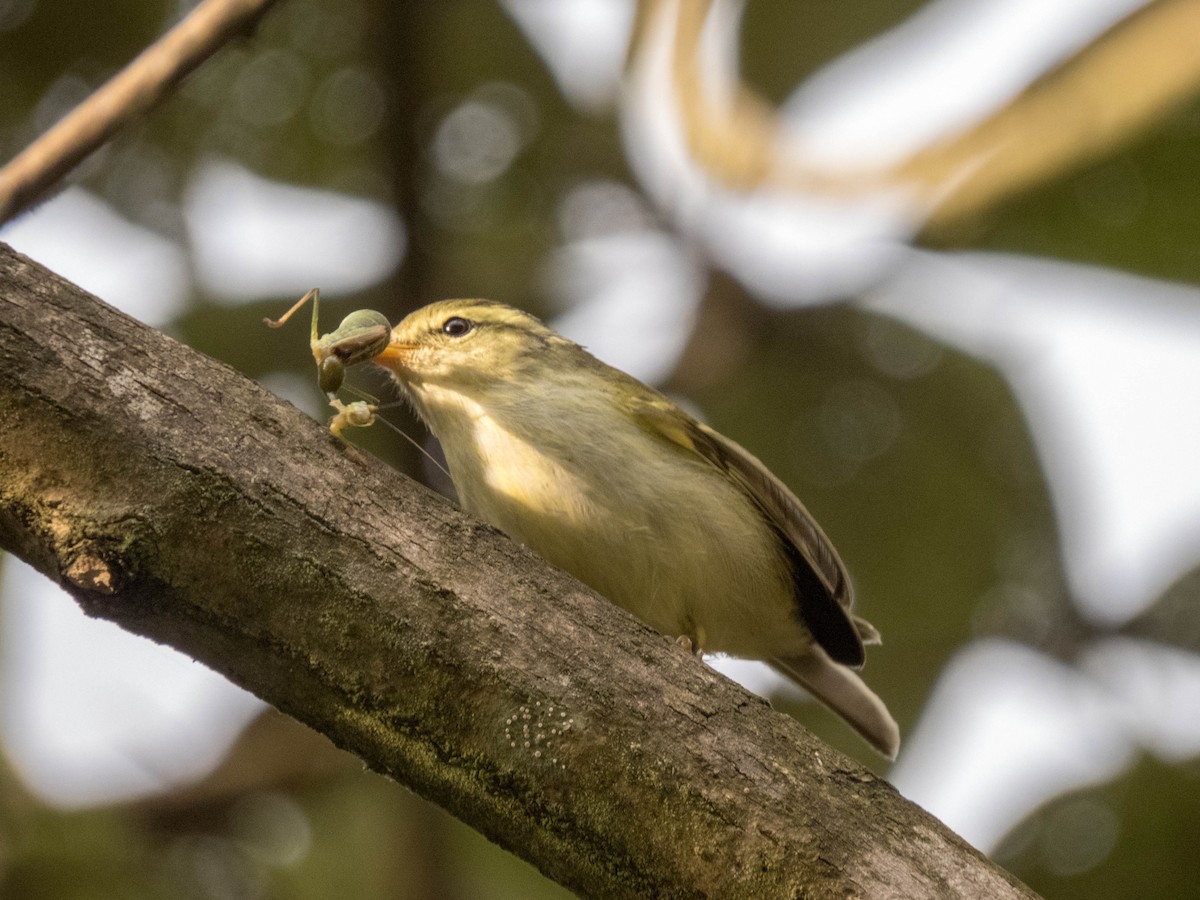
x: 394, y: 355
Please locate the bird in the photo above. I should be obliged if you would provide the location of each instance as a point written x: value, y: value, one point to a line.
x: 611, y: 481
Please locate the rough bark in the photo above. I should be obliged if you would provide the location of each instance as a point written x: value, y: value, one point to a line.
x: 176, y: 498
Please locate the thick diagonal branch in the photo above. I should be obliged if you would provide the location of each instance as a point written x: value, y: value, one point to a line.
x: 178, y: 499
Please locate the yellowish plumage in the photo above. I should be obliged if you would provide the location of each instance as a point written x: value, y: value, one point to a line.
x: 610, y: 481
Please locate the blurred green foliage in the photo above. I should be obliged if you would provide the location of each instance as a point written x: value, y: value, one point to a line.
x: 1097, y: 843
x: 1137, y: 209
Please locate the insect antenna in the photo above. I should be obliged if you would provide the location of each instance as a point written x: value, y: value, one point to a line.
x: 376, y: 406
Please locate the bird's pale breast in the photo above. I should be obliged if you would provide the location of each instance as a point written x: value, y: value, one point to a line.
x: 656, y: 531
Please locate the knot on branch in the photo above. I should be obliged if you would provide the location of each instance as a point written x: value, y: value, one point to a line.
x: 89, y: 572
x: 97, y: 565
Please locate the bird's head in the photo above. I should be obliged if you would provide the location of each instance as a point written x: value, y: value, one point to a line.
x: 457, y: 344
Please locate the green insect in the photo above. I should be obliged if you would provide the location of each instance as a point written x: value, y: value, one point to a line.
x: 361, y: 336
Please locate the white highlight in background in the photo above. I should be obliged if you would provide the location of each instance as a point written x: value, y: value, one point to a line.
x: 950, y: 64
x: 93, y: 714
x: 255, y: 238
x: 583, y: 43
x: 1104, y: 365
x: 83, y: 239
x: 1006, y: 729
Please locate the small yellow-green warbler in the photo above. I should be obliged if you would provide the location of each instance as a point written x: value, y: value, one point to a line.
x: 611, y: 481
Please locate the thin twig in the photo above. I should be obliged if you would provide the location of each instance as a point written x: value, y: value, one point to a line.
x: 135, y: 89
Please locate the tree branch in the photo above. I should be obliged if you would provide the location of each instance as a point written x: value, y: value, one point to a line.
x: 138, y: 87
x: 176, y: 498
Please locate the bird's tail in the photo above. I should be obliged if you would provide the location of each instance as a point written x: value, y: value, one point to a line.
x: 840, y: 689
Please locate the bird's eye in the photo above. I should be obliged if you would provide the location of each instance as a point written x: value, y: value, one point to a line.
x: 456, y: 326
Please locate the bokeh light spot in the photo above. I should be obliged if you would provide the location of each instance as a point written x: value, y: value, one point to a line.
x: 476, y: 142
x: 348, y: 107
x: 13, y: 13
x: 271, y: 88
x: 859, y: 420
x: 272, y: 827
x: 1077, y: 836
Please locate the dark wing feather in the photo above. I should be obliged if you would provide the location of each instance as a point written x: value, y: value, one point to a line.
x: 823, y: 593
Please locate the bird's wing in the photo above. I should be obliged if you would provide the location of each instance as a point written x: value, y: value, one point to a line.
x: 823, y: 593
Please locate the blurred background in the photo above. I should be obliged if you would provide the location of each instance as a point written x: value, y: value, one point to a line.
x: 936, y: 263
